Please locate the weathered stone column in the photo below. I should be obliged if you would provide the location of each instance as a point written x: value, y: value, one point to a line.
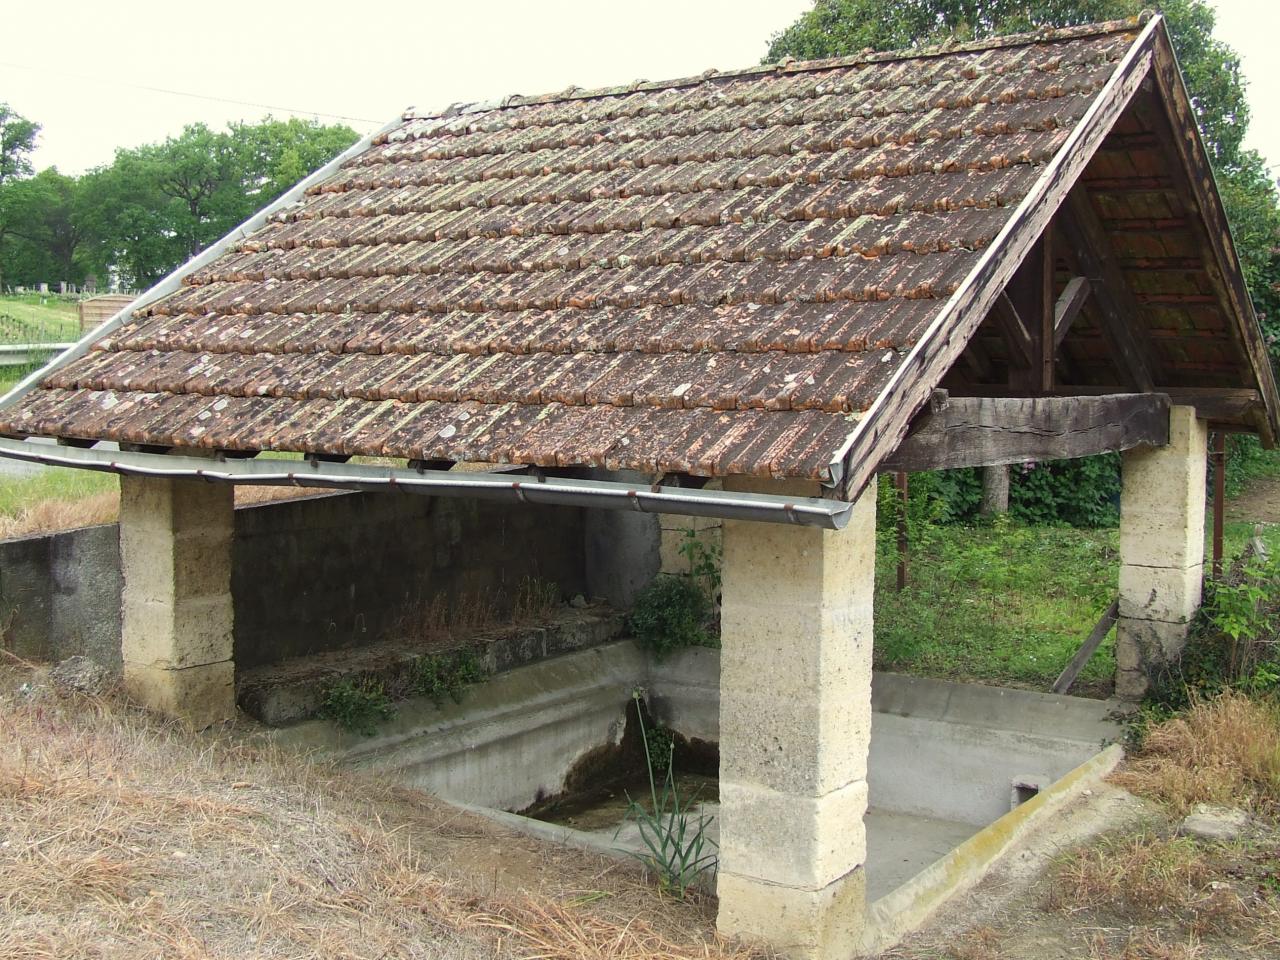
x: 795, y: 726
x: 175, y: 552
x: 1161, y: 550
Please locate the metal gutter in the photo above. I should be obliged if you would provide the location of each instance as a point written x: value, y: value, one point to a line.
x: 174, y: 280
x: 599, y: 494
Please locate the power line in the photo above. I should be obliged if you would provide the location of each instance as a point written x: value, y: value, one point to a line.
x: 193, y: 96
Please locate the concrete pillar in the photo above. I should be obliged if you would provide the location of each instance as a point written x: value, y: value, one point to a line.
x: 175, y: 552
x: 1161, y: 550
x: 795, y: 726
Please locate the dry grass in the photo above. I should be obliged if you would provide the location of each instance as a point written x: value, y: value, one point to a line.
x: 1145, y: 944
x: 1225, y: 750
x: 51, y: 516
x: 444, y: 618
x: 124, y: 837
x: 1139, y: 876
x: 54, y: 515
x: 980, y: 943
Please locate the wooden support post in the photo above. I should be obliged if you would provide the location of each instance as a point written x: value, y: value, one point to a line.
x: 1088, y: 648
x: 900, y: 481
x: 1219, y: 498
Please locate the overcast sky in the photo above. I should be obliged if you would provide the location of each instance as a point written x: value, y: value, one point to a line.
x: 81, y: 68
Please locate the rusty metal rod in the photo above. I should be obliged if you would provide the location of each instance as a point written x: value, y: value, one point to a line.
x: 1219, y: 498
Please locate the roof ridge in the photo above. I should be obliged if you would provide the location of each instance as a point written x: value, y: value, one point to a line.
x: 789, y: 67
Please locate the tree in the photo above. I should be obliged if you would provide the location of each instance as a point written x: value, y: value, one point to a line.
x: 159, y: 204
x: 17, y: 140
x: 44, y: 229
x: 1211, y: 69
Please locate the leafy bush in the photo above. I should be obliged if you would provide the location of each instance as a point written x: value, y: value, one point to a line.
x: 1234, y: 643
x: 670, y: 614
x: 439, y: 676
x: 357, y: 705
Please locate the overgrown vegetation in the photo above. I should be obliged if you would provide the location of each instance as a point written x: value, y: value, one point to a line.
x: 357, y: 704
x: 671, y: 613
x: 1223, y: 750
x: 445, y: 617
x: 997, y: 602
x: 679, y: 847
x: 675, y: 612
x: 447, y: 675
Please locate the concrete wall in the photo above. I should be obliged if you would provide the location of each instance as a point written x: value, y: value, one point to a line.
x: 313, y: 574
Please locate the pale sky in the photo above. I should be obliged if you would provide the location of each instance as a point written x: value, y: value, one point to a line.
x: 80, y: 70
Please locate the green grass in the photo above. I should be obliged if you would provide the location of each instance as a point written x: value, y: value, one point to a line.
x: 17, y: 493
x: 1001, y: 603
x: 31, y: 318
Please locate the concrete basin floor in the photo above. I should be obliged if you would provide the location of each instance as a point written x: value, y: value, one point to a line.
x: 899, y: 845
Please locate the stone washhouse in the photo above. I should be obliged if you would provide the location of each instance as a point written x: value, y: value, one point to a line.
x: 789, y: 278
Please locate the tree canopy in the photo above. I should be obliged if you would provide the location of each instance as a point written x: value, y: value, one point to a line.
x: 1210, y: 67
x: 153, y: 206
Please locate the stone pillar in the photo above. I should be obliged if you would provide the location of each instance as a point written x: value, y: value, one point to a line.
x: 1161, y: 550
x: 175, y: 552
x: 795, y: 726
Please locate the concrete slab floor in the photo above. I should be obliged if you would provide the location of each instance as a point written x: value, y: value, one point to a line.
x: 899, y: 845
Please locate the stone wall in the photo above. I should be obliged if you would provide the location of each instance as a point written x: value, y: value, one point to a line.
x: 312, y: 574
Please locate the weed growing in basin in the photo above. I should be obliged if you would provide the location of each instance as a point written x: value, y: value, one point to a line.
x: 447, y: 675
x: 670, y: 614
x: 357, y: 705
x: 679, y: 849
x: 704, y: 562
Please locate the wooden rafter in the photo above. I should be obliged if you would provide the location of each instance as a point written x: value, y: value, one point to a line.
x: 1068, y: 307
x: 1116, y: 306
x: 881, y: 429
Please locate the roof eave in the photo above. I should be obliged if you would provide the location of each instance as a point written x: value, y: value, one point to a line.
x: 828, y: 514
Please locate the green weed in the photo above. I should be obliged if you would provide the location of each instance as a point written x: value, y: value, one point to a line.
x: 671, y: 613
x: 357, y: 705
x: 447, y: 676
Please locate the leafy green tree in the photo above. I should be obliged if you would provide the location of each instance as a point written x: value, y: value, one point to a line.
x: 159, y: 204
x: 44, y: 229
x: 17, y: 140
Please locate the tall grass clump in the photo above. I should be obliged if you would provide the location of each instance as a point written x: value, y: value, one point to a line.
x: 679, y: 849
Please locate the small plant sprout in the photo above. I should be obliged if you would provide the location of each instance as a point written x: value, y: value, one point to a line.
x: 678, y: 846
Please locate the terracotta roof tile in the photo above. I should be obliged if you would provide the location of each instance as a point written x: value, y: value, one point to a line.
x: 713, y: 276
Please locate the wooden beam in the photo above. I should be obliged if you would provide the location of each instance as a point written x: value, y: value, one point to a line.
x: 1068, y: 307
x: 986, y: 431
x: 1015, y: 332
x: 1088, y: 648
x: 1117, y: 307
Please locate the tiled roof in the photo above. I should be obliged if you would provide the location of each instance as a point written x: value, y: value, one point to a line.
x: 715, y: 276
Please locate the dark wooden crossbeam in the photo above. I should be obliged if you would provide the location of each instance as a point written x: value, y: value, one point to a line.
x: 1239, y: 408
x: 988, y: 431
x: 1116, y: 306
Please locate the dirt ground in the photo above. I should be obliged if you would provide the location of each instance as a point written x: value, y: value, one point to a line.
x: 1257, y: 503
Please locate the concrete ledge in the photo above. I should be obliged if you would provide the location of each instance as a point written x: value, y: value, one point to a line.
x: 293, y: 690
x: 893, y: 916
